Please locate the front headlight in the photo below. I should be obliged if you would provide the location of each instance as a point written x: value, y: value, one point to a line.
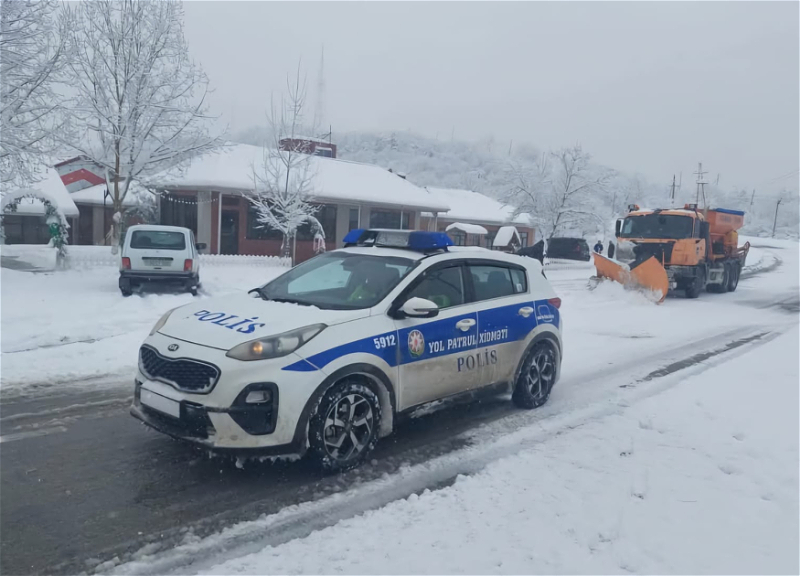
x: 161, y: 321
x: 275, y: 346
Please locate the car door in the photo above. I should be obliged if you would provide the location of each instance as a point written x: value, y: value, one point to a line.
x: 506, y: 315
x: 437, y: 355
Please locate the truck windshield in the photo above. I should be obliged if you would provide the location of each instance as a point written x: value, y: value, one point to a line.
x: 657, y: 226
x: 339, y: 281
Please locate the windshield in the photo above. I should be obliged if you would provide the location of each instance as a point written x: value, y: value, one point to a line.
x: 339, y: 281
x: 158, y: 239
x: 657, y: 226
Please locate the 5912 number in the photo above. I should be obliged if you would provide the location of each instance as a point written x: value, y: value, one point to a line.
x: 385, y: 341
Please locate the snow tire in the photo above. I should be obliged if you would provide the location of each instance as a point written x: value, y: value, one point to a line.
x: 344, y: 426
x: 536, y: 377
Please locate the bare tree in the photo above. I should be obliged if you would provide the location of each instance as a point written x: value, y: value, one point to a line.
x: 32, y: 48
x: 140, y: 100
x: 284, y: 183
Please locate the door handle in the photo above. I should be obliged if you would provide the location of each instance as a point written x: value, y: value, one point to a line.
x: 525, y: 311
x: 465, y: 324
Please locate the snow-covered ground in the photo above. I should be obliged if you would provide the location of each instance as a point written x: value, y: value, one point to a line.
x: 74, y: 327
x: 670, y: 445
x: 701, y: 478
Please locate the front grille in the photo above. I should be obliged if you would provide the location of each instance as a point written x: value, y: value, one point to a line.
x: 182, y: 373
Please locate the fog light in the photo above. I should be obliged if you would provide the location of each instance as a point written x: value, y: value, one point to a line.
x: 258, y: 397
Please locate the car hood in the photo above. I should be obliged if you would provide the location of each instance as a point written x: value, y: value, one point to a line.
x: 225, y: 322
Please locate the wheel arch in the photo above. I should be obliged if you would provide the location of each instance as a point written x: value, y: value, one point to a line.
x: 549, y: 338
x: 372, y: 376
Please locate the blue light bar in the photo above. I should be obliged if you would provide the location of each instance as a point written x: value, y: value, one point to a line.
x: 353, y: 236
x: 417, y: 240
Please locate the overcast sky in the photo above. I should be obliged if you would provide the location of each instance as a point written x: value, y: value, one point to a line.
x: 645, y: 87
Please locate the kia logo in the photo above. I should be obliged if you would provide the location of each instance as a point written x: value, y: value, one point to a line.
x: 172, y: 347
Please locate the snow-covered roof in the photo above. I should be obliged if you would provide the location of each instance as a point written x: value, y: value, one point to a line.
x: 504, y: 236
x: 469, y: 206
x: 467, y: 228
x: 335, y: 180
x: 94, y: 195
x: 50, y: 187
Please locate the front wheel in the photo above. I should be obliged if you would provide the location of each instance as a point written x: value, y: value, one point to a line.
x: 537, y: 377
x: 344, y: 428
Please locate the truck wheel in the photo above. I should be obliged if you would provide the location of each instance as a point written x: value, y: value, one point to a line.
x: 693, y: 290
x: 536, y: 378
x: 733, y: 282
x: 125, y: 287
x: 344, y: 427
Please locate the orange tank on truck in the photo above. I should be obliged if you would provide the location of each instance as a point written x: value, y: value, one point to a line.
x: 684, y: 249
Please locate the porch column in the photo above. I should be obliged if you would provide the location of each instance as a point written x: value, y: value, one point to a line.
x: 204, y: 218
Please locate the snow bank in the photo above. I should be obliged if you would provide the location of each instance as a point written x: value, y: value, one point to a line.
x: 693, y: 480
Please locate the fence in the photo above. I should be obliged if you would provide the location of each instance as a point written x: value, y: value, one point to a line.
x: 78, y: 257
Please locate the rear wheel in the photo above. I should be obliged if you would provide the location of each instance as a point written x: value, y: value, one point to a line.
x: 536, y: 379
x: 735, y: 272
x: 343, y: 429
x: 125, y: 287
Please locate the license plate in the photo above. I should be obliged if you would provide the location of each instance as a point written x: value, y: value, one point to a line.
x: 160, y: 403
x: 157, y: 261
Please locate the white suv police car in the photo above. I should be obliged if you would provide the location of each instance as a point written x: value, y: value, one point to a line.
x: 323, y: 358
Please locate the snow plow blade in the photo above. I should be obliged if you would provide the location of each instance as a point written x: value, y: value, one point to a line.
x: 649, y: 275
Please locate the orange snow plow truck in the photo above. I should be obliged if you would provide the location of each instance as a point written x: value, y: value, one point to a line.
x: 677, y: 249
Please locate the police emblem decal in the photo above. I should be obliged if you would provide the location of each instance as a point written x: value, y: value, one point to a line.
x: 416, y: 343
x: 172, y: 347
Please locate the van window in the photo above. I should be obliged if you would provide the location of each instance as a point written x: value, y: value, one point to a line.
x: 158, y: 240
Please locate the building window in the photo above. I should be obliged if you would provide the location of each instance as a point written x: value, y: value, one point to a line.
x: 326, y: 214
x: 489, y: 239
x: 256, y: 230
x: 325, y: 152
x: 523, y: 238
x: 353, y: 222
x: 388, y: 219
x: 177, y: 210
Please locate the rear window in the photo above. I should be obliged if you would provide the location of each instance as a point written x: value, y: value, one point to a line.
x: 158, y: 240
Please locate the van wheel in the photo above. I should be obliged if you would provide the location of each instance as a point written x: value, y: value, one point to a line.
x: 536, y: 378
x: 193, y: 290
x: 733, y: 282
x: 343, y: 428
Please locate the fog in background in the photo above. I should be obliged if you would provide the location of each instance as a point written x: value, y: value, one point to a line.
x: 649, y: 87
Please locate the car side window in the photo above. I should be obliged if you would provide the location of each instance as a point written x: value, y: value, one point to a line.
x: 491, y: 281
x: 520, y: 281
x: 442, y: 286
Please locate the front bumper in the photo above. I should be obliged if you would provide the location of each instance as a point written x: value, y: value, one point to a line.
x: 220, y: 418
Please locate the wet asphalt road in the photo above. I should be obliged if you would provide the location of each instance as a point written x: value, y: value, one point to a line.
x: 86, y: 483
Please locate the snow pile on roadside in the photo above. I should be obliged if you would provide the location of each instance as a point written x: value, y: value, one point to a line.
x: 702, y: 478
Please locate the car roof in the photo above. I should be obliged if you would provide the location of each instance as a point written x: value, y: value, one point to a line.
x: 451, y: 253
x: 158, y: 228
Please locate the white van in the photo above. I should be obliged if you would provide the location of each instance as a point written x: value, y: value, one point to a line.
x: 159, y: 254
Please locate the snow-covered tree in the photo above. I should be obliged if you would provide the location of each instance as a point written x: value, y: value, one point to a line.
x: 140, y: 101
x: 32, y: 51
x: 284, y: 182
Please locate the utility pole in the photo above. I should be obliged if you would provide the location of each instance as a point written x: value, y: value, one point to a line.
x: 775, y: 223
x: 510, y: 144
x: 752, y: 198
x: 672, y: 194
x: 701, y: 184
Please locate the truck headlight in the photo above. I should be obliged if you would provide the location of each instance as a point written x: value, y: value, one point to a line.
x: 275, y: 346
x: 161, y: 321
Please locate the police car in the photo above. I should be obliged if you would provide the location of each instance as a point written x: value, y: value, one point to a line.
x: 324, y: 358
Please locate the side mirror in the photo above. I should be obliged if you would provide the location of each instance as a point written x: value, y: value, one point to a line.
x: 201, y: 246
x: 618, y: 228
x: 419, y: 308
